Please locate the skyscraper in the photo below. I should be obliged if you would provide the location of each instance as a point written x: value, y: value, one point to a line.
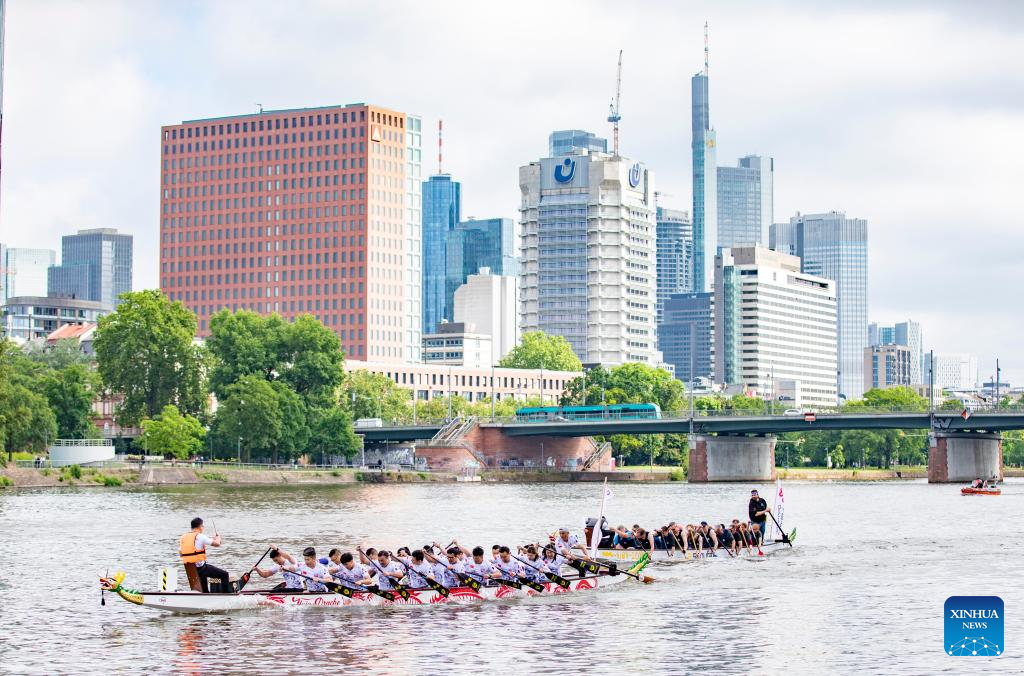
x: 588, y: 264
x: 569, y: 141
x: 953, y: 371
x: 95, y: 265
x: 836, y: 247
x: 491, y: 303
x: 23, y: 271
x: 705, y: 180
x: 906, y: 333
x: 774, y: 324
x: 745, y: 201
x: 675, y: 255
x: 300, y: 211
x: 685, y: 335
x: 442, y: 210
x: 887, y: 365
x: 474, y: 244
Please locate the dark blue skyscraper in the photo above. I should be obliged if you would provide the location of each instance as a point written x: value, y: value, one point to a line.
x: 442, y: 210
x: 474, y: 244
x: 95, y: 265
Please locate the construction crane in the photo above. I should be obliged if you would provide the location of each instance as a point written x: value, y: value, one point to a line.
x: 613, y: 108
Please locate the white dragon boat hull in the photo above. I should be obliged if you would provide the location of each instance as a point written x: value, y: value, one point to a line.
x: 194, y: 602
x: 668, y: 556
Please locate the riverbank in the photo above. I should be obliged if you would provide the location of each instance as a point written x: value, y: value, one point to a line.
x: 165, y: 475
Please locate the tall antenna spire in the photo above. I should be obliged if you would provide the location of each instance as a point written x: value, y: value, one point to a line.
x: 705, y: 49
x: 440, y: 128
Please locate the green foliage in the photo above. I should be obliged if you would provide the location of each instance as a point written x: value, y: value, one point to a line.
x: 376, y: 396
x: 1013, y: 448
x: 26, y: 421
x: 891, y: 398
x: 212, y: 476
x: 677, y: 475
x: 295, y: 431
x: 107, y: 480
x: 332, y: 433
x: 173, y: 435
x: 64, y: 353
x: 145, y: 351
x: 73, y: 471
x: 5, y: 482
x: 70, y: 393
x: 304, y: 354
x: 537, y: 350
x: 251, y: 412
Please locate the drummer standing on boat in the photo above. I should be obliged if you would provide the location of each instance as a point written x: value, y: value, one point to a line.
x: 192, y: 549
x: 758, y: 511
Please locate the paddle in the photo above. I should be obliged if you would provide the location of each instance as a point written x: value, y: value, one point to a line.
x: 464, y: 579
x: 433, y: 584
x: 785, y: 538
x: 557, y: 579
x: 678, y: 543
x: 103, y: 599
x: 398, y: 589
x: 331, y: 586
x: 244, y: 579
x: 520, y: 580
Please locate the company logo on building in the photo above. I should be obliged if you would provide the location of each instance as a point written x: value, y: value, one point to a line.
x: 375, y: 134
x: 973, y: 626
x: 635, y: 173
x: 566, y: 170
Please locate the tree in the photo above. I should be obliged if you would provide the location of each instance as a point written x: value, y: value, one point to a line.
x: 376, y: 396
x: 26, y: 421
x: 537, y: 350
x: 242, y: 343
x: 172, y: 434
x: 250, y: 415
x: 70, y: 393
x: 332, y: 433
x: 295, y: 432
x: 65, y: 352
x: 890, y: 399
x: 146, y: 353
x: 310, y: 360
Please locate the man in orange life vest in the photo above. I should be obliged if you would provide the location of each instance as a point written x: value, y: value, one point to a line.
x: 193, y: 550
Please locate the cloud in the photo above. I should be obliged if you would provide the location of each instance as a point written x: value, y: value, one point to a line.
x: 908, y: 115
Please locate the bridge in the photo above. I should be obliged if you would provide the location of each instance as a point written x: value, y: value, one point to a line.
x: 736, y: 446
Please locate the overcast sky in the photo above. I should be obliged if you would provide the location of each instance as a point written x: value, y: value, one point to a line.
x: 910, y: 115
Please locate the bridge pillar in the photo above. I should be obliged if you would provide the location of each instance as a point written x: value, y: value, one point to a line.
x: 964, y: 456
x: 727, y: 458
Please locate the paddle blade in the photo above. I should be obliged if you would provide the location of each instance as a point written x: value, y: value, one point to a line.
x: 467, y: 581
x: 559, y: 580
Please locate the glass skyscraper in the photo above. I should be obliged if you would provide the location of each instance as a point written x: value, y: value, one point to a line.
x: 684, y: 335
x: 745, y: 202
x: 836, y: 247
x: 568, y: 141
x: 474, y: 244
x: 95, y: 265
x: 23, y: 271
x: 906, y: 333
x: 442, y: 210
x: 675, y: 255
x: 705, y: 188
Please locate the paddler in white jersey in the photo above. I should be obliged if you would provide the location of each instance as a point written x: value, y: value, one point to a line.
x: 446, y: 566
x: 552, y: 561
x: 349, y: 573
x: 310, y: 567
x: 390, y: 571
x: 284, y: 563
x: 534, y: 567
x: 476, y: 567
x: 565, y: 543
x: 418, y: 569
x: 510, y: 568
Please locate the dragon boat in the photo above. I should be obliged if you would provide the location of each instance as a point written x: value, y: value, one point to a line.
x: 677, y: 556
x: 196, y: 602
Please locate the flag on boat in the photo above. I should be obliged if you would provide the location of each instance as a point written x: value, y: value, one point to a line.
x: 965, y: 414
x: 595, y: 533
x: 779, y: 510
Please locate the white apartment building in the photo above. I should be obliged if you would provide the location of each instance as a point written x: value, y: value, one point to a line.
x: 775, y: 327
x: 457, y: 344
x: 491, y: 303
x: 952, y: 371
x: 588, y: 255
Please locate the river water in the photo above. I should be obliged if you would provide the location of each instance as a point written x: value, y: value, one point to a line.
x: 862, y: 591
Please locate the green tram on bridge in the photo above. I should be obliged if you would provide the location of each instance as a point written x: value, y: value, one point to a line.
x: 537, y: 414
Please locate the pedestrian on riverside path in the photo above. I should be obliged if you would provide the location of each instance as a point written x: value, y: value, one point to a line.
x: 758, y: 511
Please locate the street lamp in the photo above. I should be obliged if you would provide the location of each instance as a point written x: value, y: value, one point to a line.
x: 238, y: 450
